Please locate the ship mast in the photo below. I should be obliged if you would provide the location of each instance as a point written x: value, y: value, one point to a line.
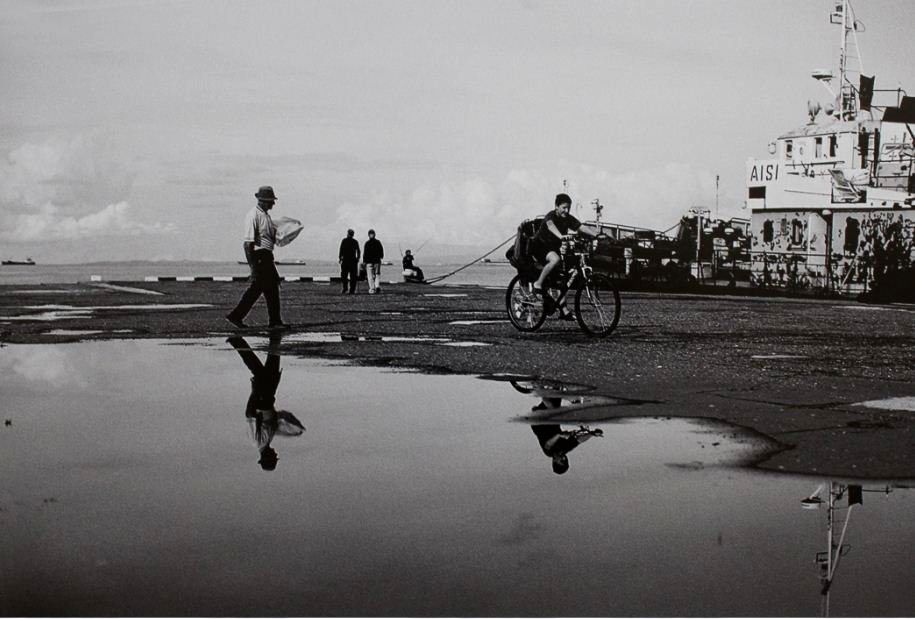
x: 846, y: 102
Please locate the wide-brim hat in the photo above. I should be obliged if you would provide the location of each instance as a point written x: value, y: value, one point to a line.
x: 265, y: 193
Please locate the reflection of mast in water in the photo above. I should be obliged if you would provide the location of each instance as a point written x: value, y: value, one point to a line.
x: 829, y: 560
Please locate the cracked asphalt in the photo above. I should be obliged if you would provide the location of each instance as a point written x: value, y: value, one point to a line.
x: 793, y: 371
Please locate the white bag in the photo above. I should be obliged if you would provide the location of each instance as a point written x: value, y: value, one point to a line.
x: 287, y: 229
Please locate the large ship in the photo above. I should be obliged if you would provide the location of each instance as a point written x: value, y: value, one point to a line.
x: 26, y: 262
x: 831, y: 208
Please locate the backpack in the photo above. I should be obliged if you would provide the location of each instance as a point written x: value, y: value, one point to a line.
x: 519, y: 254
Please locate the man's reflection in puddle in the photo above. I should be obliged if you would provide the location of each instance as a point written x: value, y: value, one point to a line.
x: 555, y: 442
x: 264, y: 420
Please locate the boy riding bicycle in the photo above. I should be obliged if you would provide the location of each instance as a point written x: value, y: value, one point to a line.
x: 546, y: 244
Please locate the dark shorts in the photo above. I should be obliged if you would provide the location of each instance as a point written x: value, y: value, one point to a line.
x: 539, y: 250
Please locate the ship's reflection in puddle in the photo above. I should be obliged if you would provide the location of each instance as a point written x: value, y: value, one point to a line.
x: 840, y: 499
x: 134, y: 485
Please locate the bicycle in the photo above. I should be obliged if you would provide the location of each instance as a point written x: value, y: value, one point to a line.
x: 597, y: 300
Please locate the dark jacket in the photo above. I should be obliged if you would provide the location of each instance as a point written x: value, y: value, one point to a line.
x: 349, y: 250
x: 373, y: 251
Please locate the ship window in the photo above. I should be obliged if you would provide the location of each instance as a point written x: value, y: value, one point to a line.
x: 757, y: 193
x: 797, y: 232
x: 789, y: 148
x: 768, y: 232
x: 818, y: 153
x: 833, y: 145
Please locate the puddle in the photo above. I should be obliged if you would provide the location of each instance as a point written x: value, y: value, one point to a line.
x: 874, y: 308
x: 50, y: 316
x: 83, y: 331
x: 336, y: 337
x: 63, y: 312
x: 906, y: 403
x: 271, y: 484
x: 43, y: 291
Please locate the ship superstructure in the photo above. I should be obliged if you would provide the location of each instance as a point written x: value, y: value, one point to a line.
x: 832, y: 207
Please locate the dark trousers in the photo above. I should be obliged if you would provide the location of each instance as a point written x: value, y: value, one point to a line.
x: 350, y: 271
x: 264, y: 281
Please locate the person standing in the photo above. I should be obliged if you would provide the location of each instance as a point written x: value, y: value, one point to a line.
x: 349, y: 261
x: 260, y: 236
x: 372, y: 254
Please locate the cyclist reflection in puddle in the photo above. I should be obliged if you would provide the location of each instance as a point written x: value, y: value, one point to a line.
x: 264, y: 420
x: 555, y: 442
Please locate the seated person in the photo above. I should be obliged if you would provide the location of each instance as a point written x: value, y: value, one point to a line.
x: 409, y: 268
x: 545, y: 245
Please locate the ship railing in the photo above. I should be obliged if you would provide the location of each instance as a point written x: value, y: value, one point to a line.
x: 802, y: 270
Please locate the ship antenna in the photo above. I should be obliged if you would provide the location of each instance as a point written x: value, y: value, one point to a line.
x: 598, y: 207
x: 717, y: 178
x: 845, y: 99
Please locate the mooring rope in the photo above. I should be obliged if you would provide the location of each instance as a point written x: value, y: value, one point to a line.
x: 435, y: 280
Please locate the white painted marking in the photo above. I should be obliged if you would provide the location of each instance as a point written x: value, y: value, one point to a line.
x: 475, y: 322
x: 95, y: 278
x: 446, y: 294
x: 779, y: 356
x: 62, y: 312
x: 184, y: 278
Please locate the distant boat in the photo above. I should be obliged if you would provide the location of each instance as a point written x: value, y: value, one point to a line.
x: 26, y: 262
x: 295, y: 262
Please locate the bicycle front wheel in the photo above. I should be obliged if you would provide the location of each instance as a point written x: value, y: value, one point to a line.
x: 524, y: 306
x: 598, y: 306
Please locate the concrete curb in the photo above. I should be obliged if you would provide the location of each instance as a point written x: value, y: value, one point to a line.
x: 320, y: 279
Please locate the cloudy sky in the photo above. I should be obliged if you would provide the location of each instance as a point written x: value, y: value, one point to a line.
x: 141, y: 129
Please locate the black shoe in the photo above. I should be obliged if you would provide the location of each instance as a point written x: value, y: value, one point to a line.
x: 278, y: 326
x: 239, y: 323
x: 566, y: 316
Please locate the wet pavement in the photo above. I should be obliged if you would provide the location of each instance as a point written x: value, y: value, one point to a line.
x: 214, y: 476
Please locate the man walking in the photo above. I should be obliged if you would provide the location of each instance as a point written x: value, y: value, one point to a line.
x: 372, y: 254
x: 260, y: 236
x: 349, y: 261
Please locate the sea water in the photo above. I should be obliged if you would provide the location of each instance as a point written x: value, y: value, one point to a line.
x: 488, y: 274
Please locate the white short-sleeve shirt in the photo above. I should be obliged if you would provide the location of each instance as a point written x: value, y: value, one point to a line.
x: 259, y: 229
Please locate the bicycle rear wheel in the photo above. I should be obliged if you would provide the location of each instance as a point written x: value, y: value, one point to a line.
x: 598, y: 306
x: 524, y: 306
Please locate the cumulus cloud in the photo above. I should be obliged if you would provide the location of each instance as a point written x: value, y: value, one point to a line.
x: 41, y: 365
x: 65, y: 189
x: 49, y: 225
x: 478, y: 211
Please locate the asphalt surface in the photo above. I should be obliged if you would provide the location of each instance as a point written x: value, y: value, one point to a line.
x: 792, y: 371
